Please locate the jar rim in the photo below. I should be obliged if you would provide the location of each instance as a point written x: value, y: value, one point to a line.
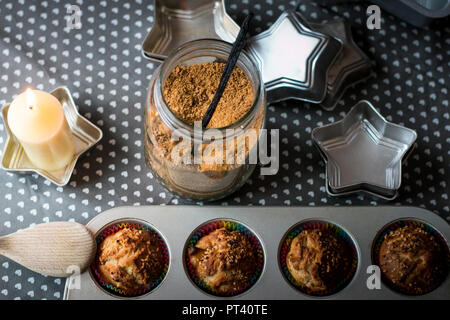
x: 204, y: 44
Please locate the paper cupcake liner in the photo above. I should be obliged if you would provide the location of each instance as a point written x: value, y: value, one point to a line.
x: 323, y: 225
x: 230, y: 226
x: 415, y: 223
x: 111, y: 229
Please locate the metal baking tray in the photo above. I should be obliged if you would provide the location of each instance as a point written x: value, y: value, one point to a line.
x: 270, y: 224
x: 350, y: 68
x: 364, y: 151
x: 294, y: 60
x: 177, y: 22
x: 85, y: 134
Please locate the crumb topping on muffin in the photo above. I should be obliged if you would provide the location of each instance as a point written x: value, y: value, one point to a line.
x: 318, y: 259
x: 130, y: 259
x: 224, y: 260
x: 411, y: 259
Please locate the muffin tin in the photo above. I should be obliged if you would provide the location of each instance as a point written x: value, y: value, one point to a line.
x: 270, y: 224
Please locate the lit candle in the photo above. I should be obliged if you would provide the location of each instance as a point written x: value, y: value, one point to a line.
x: 36, y: 118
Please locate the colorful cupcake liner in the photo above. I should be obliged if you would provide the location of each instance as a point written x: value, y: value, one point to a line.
x: 415, y: 223
x: 231, y: 226
x: 323, y: 225
x: 115, y: 227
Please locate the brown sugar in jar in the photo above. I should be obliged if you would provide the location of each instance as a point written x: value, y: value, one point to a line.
x: 189, y: 90
x: 180, y: 92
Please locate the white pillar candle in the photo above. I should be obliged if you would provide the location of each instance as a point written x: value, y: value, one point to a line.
x: 36, y: 118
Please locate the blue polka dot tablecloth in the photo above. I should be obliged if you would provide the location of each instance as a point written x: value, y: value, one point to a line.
x: 102, y: 65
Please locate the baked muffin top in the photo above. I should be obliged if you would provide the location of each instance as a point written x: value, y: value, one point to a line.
x: 318, y: 259
x: 130, y: 259
x: 412, y: 260
x: 224, y: 260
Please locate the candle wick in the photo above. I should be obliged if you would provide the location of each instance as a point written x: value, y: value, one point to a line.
x: 30, y: 107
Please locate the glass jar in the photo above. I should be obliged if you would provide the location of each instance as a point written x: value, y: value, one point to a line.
x: 201, y: 179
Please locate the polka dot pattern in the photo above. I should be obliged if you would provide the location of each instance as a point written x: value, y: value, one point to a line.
x: 102, y: 65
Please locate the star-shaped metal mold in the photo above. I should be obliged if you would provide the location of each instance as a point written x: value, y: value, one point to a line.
x: 178, y: 22
x: 85, y: 135
x: 351, y: 66
x: 294, y: 60
x: 364, y: 152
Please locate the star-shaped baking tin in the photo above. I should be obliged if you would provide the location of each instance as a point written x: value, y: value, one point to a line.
x: 294, y: 59
x: 84, y: 132
x: 364, y: 152
x: 351, y: 67
x: 297, y: 59
x: 177, y: 22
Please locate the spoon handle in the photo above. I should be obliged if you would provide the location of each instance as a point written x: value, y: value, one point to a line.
x: 3, y: 244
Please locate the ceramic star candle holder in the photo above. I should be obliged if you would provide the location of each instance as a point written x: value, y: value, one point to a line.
x: 351, y: 67
x: 85, y: 135
x: 294, y: 59
x: 364, y: 152
x: 178, y: 22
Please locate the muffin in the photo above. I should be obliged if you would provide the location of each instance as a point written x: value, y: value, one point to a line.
x: 318, y: 260
x: 412, y: 260
x: 224, y: 261
x: 130, y: 260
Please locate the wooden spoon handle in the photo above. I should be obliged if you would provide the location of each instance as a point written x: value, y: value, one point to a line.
x: 56, y: 249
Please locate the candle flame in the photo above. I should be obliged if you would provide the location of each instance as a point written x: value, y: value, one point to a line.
x: 29, y: 96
